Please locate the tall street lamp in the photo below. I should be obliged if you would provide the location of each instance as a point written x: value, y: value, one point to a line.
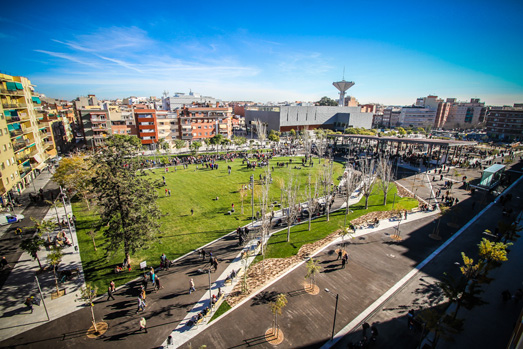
x: 67, y: 218
x: 335, y: 312
x: 252, y: 201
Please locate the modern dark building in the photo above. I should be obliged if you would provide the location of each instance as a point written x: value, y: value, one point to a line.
x: 505, y: 123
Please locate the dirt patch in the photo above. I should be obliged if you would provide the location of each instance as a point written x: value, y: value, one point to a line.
x: 263, y: 272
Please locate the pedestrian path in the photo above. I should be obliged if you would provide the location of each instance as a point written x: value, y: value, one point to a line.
x: 23, y: 282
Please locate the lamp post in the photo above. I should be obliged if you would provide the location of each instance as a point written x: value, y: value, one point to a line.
x: 42, y: 296
x: 335, y: 312
x: 67, y: 216
x: 210, y: 293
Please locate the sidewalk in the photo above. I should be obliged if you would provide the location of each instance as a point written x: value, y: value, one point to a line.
x: 21, y: 283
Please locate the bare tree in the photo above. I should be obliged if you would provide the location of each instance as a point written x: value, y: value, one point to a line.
x: 243, y: 194
x: 312, y: 198
x: 307, y: 141
x: 261, y: 130
x: 351, y: 181
x: 293, y: 206
x: 264, y: 199
x: 384, y: 173
x: 367, y: 178
x: 321, y: 143
x: 327, y: 185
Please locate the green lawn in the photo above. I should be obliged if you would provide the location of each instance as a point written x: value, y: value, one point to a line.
x: 181, y: 232
x: 278, y: 247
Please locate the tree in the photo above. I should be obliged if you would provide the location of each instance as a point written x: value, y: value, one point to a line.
x: 493, y: 253
x: 313, y: 268
x: 163, y: 145
x: 261, y: 131
x: 326, y: 101
x: 350, y: 183
x: 401, y: 131
x: 276, y: 309
x: 239, y: 141
x: 44, y: 227
x: 264, y: 208
x: 274, y: 136
x: 195, y: 146
x: 75, y: 173
x: 321, y: 143
x: 92, y: 234
x: 384, y: 172
x: 292, y: 132
x: 327, y: 185
x: 312, y: 201
x: 55, y: 258
x: 33, y: 246
x: 367, y: 176
x: 306, y: 141
x: 87, y: 296
x: 243, y: 194
x: 127, y: 202
x: 216, y: 140
x: 179, y: 143
x: 293, y: 206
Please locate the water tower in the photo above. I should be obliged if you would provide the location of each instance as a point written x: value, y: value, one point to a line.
x: 342, y: 86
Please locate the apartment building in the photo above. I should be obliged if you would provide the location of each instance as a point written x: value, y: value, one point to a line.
x: 168, y: 126
x: 22, y: 151
x: 96, y: 126
x: 466, y: 114
x: 122, y: 120
x: 146, y: 125
x: 199, y: 123
x: 391, y: 117
x: 416, y: 116
x: 505, y: 123
x: 179, y: 100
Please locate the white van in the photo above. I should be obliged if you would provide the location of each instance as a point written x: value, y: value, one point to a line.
x: 7, y: 218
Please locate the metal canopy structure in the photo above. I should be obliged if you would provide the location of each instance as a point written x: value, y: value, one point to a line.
x: 491, y: 176
x: 427, y: 141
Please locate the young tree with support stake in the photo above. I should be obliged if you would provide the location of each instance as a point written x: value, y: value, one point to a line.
x: 312, y: 201
x: 293, y: 205
x: 367, y: 176
x: 264, y: 208
x: 33, y: 246
x: 55, y: 258
x: 350, y: 184
x: 384, y: 172
x: 276, y: 309
x: 327, y: 185
x: 313, y: 268
x: 87, y: 296
x: 127, y: 202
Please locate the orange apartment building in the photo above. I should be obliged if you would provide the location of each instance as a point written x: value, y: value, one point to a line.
x: 146, y: 125
x: 199, y: 123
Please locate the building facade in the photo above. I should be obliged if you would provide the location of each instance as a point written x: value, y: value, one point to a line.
x: 22, y: 150
x: 505, y: 123
x: 415, y: 116
x: 466, y: 115
x: 286, y: 118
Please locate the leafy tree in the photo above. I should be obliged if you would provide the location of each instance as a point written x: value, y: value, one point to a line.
x: 55, y: 258
x: 276, y: 309
x: 292, y: 132
x: 326, y: 101
x: 216, y: 140
x: 87, y: 296
x: 492, y: 252
x: 33, y: 246
x: 239, y: 141
x: 401, y: 131
x: 163, y: 144
x: 179, y: 143
x: 274, y: 136
x: 127, y: 202
x: 44, y: 226
x: 313, y: 268
x: 195, y: 146
x: 75, y: 174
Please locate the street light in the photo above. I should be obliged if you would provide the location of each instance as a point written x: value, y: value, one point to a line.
x: 335, y: 312
x: 252, y: 201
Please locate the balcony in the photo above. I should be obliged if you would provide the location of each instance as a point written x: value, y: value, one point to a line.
x: 100, y: 135
x: 100, y: 128
x: 27, y: 130
x: 20, y: 145
x: 12, y: 92
x: 187, y: 136
x: 15, y: 133
x: 9, y: 105
x: 98, y: 119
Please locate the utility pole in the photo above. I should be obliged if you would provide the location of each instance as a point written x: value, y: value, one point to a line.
x: 42, y: 296
x: 252, y: 201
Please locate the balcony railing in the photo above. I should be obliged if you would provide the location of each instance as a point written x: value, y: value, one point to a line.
x: 15, y: 133
x: 27, y: 129
x: 12, y: 92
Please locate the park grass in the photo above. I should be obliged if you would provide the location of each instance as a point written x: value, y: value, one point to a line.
x: 222, y: 309
x: 182, y: 233
x: 278, y: 247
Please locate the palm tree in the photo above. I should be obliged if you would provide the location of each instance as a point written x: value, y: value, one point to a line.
x: 32, y: 246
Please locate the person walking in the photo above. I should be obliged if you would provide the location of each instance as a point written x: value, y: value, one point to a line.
x: 29, y: 304
x: 215, y: 263
x: 192, y: 212
x: 340, y: 254
x: 191, y: 286
x: 112, y: 286
x: 141, y: 305
x: 110, y: 293
x: 344, y: 260
x: 143, y: 324
x: 158, y: 285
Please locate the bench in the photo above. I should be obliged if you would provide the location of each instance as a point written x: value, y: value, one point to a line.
x: 415, y: 209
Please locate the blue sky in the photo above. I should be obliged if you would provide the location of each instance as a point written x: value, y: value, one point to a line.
x: 268, y: 51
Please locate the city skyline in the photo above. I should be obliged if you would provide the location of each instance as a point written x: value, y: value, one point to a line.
x: 281, y: 52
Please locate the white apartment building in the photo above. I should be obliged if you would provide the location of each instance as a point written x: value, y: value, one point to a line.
x: 417, y: 116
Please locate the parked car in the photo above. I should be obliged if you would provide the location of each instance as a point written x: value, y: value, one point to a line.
x: 7, y: 218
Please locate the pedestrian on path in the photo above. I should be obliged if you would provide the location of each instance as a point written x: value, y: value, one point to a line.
x: 344, y: 260
x: 158, y: 285
x: 141, y: 304
x: 29, y: 304
x: 340, y: 254
x: 191, y: 286
x: 143, y: 324
x: 4, y: 263
x: 110, y: 293
x: 112, y: 286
